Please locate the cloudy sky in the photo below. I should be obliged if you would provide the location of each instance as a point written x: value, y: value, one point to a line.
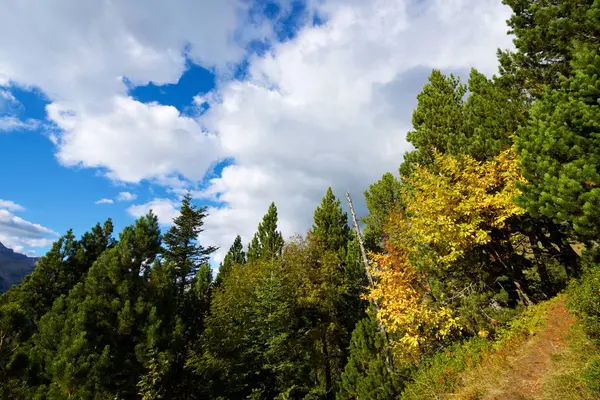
x: 110, y: 108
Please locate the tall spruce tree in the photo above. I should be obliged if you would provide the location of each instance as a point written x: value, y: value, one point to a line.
x: 182, y: 248
x: 267, y: 242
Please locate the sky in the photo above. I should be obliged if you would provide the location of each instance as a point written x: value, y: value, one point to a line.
x: 111, y: 108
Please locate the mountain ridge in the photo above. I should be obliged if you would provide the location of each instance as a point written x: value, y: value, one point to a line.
x: 14, y: 267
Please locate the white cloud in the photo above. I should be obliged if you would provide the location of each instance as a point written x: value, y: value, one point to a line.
x: 126, y: 196
x: 10, y: 205
x: 332, y: 107
x: 165, y: 209
x: 19, y: 234
x: 133, y: 140
x: 87, y: 46
x: 104, y: 201
x: 11, y: 123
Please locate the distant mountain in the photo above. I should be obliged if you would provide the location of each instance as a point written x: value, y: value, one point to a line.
x: 13, y: 267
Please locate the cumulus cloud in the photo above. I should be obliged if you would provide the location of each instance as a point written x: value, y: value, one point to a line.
x: 133, y: 140
x: 165, y: 209
x: 87, y: 47
x: 19, y: 234
x: 126, y: 196
x: 104, y: 201
x: 332, y: 107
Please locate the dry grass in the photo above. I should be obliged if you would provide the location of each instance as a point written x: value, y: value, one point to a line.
x: 517, y: 371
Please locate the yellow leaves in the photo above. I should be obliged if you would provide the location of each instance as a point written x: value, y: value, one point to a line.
x: 404, y: 308
x: 456, y: 205
x: 449, y: 209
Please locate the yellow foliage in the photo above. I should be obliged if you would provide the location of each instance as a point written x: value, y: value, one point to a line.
x: 455, y: 206
x: 448, y: 209
x: 403, y: 306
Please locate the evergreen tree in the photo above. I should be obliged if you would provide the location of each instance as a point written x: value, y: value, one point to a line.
x: 89, y: 339
x: 235, y: 256
x: 366, y: 375
x: 438, y: 120
x: 330, y: 225
x: 560, y: 149
x: 381, y: 198
x: 181, y: 242
x: 267, y: 242
x: 545, y: 32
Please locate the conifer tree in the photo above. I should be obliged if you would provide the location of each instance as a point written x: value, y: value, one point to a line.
x: 235, y: 256
x: 330, y: 225
x: 438, y: 121
x: 181, y: 243
x: 267, y: 242
x: 89, y: 339
x: 381, y: 198
x: 560, y: 149
x: 366, y: 375
x: 545, y: 32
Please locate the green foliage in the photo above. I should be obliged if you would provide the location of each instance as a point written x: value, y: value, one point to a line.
x: 235, y: 256
x: 440, y: 374
x: 267, y: 242
x: 545, y: 32
x: 447, y: 121
x: 366, y: 375
x: 181, y: 242
x: 437, y: 121
x: 381, y: 199
x: 330, y: 228
x: 559, y: 150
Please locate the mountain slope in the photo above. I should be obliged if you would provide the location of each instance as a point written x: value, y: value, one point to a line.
x: 13, y: 267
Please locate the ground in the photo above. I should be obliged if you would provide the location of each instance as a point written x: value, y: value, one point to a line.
x: 546, y: 366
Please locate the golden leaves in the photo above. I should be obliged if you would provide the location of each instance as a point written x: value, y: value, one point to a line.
x: 449, y: 209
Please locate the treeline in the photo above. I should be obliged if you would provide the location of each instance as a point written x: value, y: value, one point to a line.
x: 483, y: 220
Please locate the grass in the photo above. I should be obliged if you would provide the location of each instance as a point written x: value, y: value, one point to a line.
x: 573, y: 369
x: 466, y: 370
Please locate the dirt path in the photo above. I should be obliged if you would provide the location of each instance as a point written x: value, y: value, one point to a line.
x: 533, y: 361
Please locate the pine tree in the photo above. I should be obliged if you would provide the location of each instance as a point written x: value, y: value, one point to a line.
x: 90, y: 338
x: 267, y: 242
x: 366, y: 375
x: 235, y: 256
x: 181, y: 242
x: 381, y: 198
x: 438, y: 121
x: 560, y: 149
x: 545, y: 32
x: 330, y: 225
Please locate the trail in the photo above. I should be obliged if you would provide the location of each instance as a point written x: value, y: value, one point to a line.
x: 530, y: 364
x: 546, y: 366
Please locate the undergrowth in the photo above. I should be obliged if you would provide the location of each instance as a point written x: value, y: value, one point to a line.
x: 444, y: 372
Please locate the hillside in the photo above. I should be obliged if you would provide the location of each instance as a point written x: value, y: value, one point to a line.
x: 13, y: 267
x: 545, y: 355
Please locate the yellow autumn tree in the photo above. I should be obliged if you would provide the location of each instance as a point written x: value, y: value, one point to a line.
x: 456, y: 205
x: 449, y: 209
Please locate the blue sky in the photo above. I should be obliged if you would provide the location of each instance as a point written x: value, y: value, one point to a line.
x: 120, y: 107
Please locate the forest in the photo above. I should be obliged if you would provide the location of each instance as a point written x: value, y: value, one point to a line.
x: 495, y: 210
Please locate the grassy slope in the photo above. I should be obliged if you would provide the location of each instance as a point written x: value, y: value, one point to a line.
x: 542, y: 355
